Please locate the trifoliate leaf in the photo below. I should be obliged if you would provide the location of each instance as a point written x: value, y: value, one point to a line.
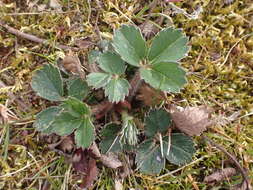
x: 75, y: 107
x: 117, y: 89
x: 84, y: 135
x: 78, y: 88
x: 47, y: 83
x: 149, y: 159
x: 181, y: 149
x: 45, y: 118
x: 111, y: 63
x: 65, y: 124
x: 168, y: 77
x: 98, y: 80
x: 157, y: 121
x: 170, y: 45
x: 110, y: 138
x: 130, y: 45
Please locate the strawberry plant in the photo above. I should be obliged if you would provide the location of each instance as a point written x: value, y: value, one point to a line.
x: 126, y: 56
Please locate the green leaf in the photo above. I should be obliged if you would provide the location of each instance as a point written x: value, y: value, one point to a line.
x: 168, y: 77
x: 170, y: 45
x: 47, y: 83
x: 98, y: 80
x: 77, y: 88
x: 93, y: 56
x: 117, y: 89
x: 110, y: 138
x: 76, y: 108
x: 157, y: 121
x: 84, y: 135
x: 148, y: 158
x: 181, y: 149
x: 45, y: 118
x: 65, y: 124
x: 111, y: 63
x: 129, y: 43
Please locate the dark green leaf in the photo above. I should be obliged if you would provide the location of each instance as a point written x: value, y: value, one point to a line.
x: 78, y: 88
x: 168, y: 77
x: 117, y: 89
x: 45, y: 118
x: 181, y: 149
x: 84, y: 135
x: 129, y: 43
x: 98, y: 80
x: 65, y: 124
x: 157, y: 121
x: 75, y: 107
x: 170, y: 45
x: 110, y: 138
x: 111, y: 63
x: 149, y: 159
x: 47, y: 82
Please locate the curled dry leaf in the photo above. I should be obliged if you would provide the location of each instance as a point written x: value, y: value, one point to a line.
x: 220, y: 175
x: 192, y: 120
x: 111, y: 160
x: 91, y: 174
x: 72, y: 64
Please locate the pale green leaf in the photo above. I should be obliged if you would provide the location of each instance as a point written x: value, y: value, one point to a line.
x: 149, y: 159
x: 117, y: 89
x: 181, y: 149
x: 47, y: 83
x: 170, y: 45
x: 84, y: 135
x: 45, y: 118
x: 129, y: 44
x: 168, y: 77
x: 111, y: 63
x: 77, y: 88
x: 98, y: 80
x: 157, y: 121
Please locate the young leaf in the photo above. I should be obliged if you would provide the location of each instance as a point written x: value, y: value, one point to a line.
x: 65, y: 124
x: 170, y: 45
x: 149, y: 159
x: 110, y: 138
x: 98, y: 80
x: 78, y: 88
x: 75, y: 107
x: 168, y: 77
x: 181, y: 149
x: 157, y: 121
x: 117, y: 89
x: 45, y: 118
x: 84, y: 135
x: 129, y: 43
x: 47, y: 82
x: 111, y: 63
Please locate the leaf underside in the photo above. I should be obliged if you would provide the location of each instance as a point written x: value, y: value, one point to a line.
x: 168, y: 77
x: 47, y: 83
x: 130, y: 45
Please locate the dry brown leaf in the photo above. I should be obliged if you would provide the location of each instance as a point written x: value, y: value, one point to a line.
x: 192, y: 120
x: 149, y: 96
x: 111, y: 160
x: 220, y: 175
x: 71, y: 63
x: 91, y: 174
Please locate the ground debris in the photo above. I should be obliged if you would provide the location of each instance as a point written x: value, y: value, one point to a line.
x: 220, y: 175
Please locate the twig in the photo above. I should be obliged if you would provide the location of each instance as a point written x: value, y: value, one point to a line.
x: 33, y: 38
x: 232, y: 158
